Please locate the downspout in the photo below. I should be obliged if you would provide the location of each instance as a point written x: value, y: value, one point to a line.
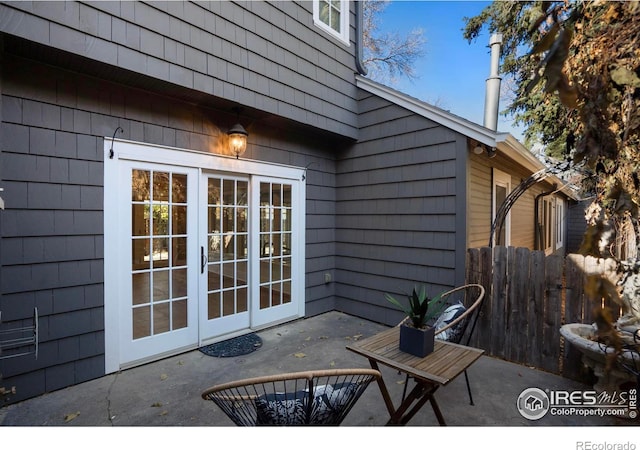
x: 362, y: 70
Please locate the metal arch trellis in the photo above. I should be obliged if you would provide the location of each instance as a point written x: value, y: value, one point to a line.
x: 514, y: 195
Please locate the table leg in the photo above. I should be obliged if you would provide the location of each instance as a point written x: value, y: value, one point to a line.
x: 383, y: 390
x: 436, y: 410
x: 421, y: 394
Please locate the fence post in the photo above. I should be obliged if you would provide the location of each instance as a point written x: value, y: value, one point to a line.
x: 512, y: 309
x: 472, y: 274
x: 521, y: 333
x: 499, y: 297
x: 537, y: 302
x: 554, y: 267
x: 482, y: 334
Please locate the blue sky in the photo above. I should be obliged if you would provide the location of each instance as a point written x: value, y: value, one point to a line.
x: 453, y: 72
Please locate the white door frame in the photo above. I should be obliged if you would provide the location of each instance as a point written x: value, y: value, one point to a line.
x: 502, y: 179
x: 119, y: 149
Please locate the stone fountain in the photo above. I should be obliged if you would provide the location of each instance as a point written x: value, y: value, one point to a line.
x: 583, y: 337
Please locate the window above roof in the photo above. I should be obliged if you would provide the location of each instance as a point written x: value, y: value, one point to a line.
x: 332, y: 16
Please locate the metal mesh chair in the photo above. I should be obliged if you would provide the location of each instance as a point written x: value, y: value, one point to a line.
x: 471, y: 296
x: 321, y: 397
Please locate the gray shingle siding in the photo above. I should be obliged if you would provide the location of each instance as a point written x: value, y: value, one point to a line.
x: 576, y: 225
x: 382, y: 212
x: 264, y: 55
x: 51, y: 167
x: 3, y: 105
x: 398, y: 205
x: 51, y: 229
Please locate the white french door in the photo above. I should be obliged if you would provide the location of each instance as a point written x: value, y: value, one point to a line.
x: 224, y: 255
x: 275, y: 261
x: 250, y: 248
x: 158, y: 288
x: 197, y: 248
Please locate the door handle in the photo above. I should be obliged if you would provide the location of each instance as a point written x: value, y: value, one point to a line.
x: 203, y: 260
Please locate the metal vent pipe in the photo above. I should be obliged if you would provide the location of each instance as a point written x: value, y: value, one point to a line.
x: 492, y: 94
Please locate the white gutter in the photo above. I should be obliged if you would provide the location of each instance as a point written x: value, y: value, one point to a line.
x: 517, y: 151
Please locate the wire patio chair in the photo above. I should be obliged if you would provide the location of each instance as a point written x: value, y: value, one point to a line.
x: 320, y: 397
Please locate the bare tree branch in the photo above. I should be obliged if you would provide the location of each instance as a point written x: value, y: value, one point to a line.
x: 389, y: 56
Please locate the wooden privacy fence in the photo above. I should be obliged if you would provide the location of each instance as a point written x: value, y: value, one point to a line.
x: 529, y: 296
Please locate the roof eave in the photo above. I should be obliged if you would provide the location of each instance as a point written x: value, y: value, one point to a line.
x: 516, y: 151
x: 503, y: 142
x: 470, y: 129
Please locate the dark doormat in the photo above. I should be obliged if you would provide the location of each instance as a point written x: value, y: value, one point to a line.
x: 236, y: 346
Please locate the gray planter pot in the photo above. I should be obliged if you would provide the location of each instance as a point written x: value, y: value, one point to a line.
x: 416, y: 341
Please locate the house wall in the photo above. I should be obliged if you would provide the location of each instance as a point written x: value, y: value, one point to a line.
x: 1, y: 147
x: 263, y: 55
x: 400, y: 210
x: 51, y: 166
x: 480, y: 207
x: 577, y: 225
x: 479, y: 204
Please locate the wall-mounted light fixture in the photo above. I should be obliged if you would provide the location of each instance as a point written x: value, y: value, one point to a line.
x: 479, y: 149
x: 237, y: 137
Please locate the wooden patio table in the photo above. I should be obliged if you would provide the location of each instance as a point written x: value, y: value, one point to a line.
x: 437, y: 369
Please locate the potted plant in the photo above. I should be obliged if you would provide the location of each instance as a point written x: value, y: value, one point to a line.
x: 416, y: 335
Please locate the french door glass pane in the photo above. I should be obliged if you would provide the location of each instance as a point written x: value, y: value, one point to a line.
x: 227, y: 246
x: 213, y: 305
x: 159, y: 252
x: 275, y: 244
x: 179, y: 314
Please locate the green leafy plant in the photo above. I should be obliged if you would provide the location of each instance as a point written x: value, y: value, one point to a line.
x: 421, y: 308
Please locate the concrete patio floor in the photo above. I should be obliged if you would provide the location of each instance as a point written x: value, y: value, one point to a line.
x: 167, y: 392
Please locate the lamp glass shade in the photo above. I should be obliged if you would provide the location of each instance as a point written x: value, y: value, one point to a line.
x: 237, y: 139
